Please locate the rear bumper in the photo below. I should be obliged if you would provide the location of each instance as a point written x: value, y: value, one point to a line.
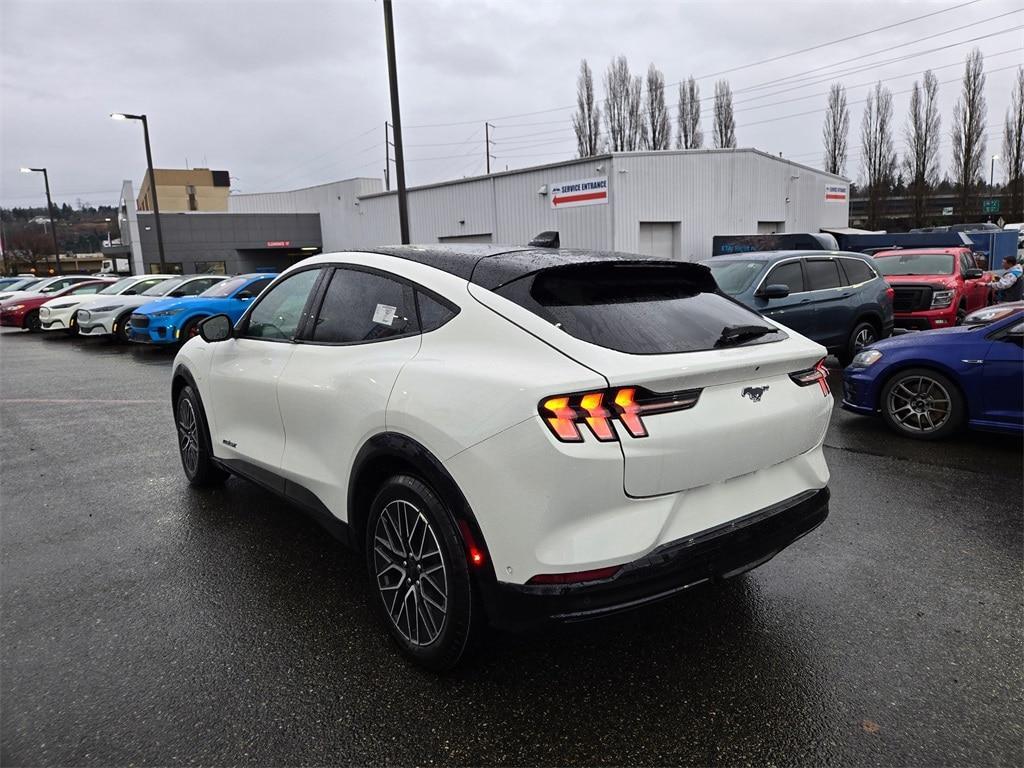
x: 717, y: 553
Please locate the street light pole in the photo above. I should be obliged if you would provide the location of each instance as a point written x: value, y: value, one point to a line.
x: 49, y: 210
x: 396, y: 124
x: 152, y: 181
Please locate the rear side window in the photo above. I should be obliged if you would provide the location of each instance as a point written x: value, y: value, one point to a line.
x: 857, y: 271
x: 789, y: 275
x: 364, y: 306
x: 637, y: 308
x: 433, y: 314
x: 821, y: 274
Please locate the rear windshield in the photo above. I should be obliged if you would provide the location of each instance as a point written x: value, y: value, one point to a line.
x: 915, y: 264
x: 735, y: 276
x: 639, y: 308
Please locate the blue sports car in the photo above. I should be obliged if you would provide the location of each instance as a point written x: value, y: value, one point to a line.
x: 173, y: 321
x: 930, y: 383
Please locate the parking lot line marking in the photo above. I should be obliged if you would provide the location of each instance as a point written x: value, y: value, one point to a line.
x: 52, y: 401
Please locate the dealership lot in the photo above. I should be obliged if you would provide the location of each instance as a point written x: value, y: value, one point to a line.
x: 146, y: 622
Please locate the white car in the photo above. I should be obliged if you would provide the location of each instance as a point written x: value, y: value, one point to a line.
x: 551, y: 435
x: 46, y: 285
x: 60, y: 314
x: 111, y: 317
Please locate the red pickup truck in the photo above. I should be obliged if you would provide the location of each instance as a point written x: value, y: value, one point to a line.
x: 933, y: 287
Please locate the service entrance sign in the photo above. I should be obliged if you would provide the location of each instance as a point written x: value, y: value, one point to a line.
x: 835, y: 193
x: 572, y: 194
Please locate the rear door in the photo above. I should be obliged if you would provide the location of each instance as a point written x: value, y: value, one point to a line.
x: 796, y: 311
x: 831, y: 301
x: 334, y: 389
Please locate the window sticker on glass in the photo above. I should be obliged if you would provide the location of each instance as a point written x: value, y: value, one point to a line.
x: 384, y: 314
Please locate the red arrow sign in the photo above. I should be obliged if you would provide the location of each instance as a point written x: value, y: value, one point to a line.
x: 580, y: 198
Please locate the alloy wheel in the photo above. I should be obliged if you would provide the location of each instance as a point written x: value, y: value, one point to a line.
x: 919, y: 404
x: 410, y: 572
x: 864, y: 337
x: 188, y: 436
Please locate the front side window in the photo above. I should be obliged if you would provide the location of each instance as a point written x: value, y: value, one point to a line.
x: 789, y: 275
x: 822, y: 274
x: 364, y: 306
x: 278, y: 313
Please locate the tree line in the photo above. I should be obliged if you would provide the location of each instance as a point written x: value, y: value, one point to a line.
x: 635, y: 115
x: 883, y: 170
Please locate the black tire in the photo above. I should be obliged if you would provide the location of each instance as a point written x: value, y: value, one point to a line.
x: 123, y: 328
x: 961, y: 314
x: 863, y: 334
x: 32, y: 323
x: 913, y: 403
x: 194, y: 441
x: 190, y: 329
x: 72, y: 329
x: 436, y: 586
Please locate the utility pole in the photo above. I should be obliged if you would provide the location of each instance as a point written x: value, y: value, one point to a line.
x: 387, y: 157
x: 396, y: 124
x: 49, y: 210
x: 487, y: 145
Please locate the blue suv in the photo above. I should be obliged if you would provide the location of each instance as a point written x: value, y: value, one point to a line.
x: 837, y: 299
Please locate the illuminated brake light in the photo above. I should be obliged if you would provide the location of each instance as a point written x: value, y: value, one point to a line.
x: 816, y: 375
x: 578, y: 577
x: 562, y: 413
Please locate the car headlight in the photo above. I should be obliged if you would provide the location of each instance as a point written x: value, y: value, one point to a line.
x: 14, y: 308
x: 166, y: 313
x: 865, y: 358
x: 942, y: 299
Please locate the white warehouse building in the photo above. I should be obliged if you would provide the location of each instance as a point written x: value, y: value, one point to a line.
x: 666, y: 203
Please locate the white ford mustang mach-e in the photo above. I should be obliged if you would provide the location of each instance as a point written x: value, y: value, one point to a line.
x: 514, y: 434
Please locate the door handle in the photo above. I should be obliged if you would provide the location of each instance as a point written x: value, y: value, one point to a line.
x: 805, y: 301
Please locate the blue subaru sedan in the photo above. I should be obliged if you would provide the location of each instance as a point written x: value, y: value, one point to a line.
x: 173, y: 321
x: 929, y: 384
x: 834, y: 298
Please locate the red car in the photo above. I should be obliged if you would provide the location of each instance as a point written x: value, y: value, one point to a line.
x: 933, y: 287
x: 23, y: 312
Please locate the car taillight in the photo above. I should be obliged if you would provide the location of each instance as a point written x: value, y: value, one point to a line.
x: 816, y: 375
x: 890, y: 292
x: 576, y: 577
x: 600, y: 409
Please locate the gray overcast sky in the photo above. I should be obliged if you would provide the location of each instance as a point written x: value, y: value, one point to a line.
x: 289, y: 94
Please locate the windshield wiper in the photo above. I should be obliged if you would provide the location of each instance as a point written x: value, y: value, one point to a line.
x: 736, y: 334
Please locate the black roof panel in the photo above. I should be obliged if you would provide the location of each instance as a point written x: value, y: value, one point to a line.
x: 492, y: 266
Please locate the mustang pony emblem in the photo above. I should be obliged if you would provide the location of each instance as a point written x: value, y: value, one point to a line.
x: 754, y: 393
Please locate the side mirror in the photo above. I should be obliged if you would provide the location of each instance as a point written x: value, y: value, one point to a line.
x: 216, y: 328
x: 243, y: 296
x: 973, y: 274
x: 774, y: 291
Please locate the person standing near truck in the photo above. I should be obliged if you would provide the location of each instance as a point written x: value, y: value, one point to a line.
x: 1010, y: 287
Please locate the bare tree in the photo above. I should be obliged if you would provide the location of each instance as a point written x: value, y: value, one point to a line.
x: 659, y: 131
x: 969, y: 131
x: 587, y: 120
x: 725, y: 123
x: 836, y: 130
x: 690, y: 135
x: 623, y: 107
x: 921, y: 160
x: 1013, y: 148
x: 877, y: 152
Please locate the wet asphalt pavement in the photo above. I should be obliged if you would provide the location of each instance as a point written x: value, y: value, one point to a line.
x: 144, y: 622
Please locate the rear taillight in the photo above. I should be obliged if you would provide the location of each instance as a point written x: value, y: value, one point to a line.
x: 577, y: 577
x: 600, y: 409
x: 816, y: 375
x: 890, y: 292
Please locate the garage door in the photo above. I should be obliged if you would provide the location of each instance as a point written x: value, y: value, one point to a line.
x: 657, y: 238
x: 484, y: 237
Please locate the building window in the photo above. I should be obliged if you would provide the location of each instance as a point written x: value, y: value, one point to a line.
x: 191, y: 191
x: 170, y: 268
x: 210, y: 268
